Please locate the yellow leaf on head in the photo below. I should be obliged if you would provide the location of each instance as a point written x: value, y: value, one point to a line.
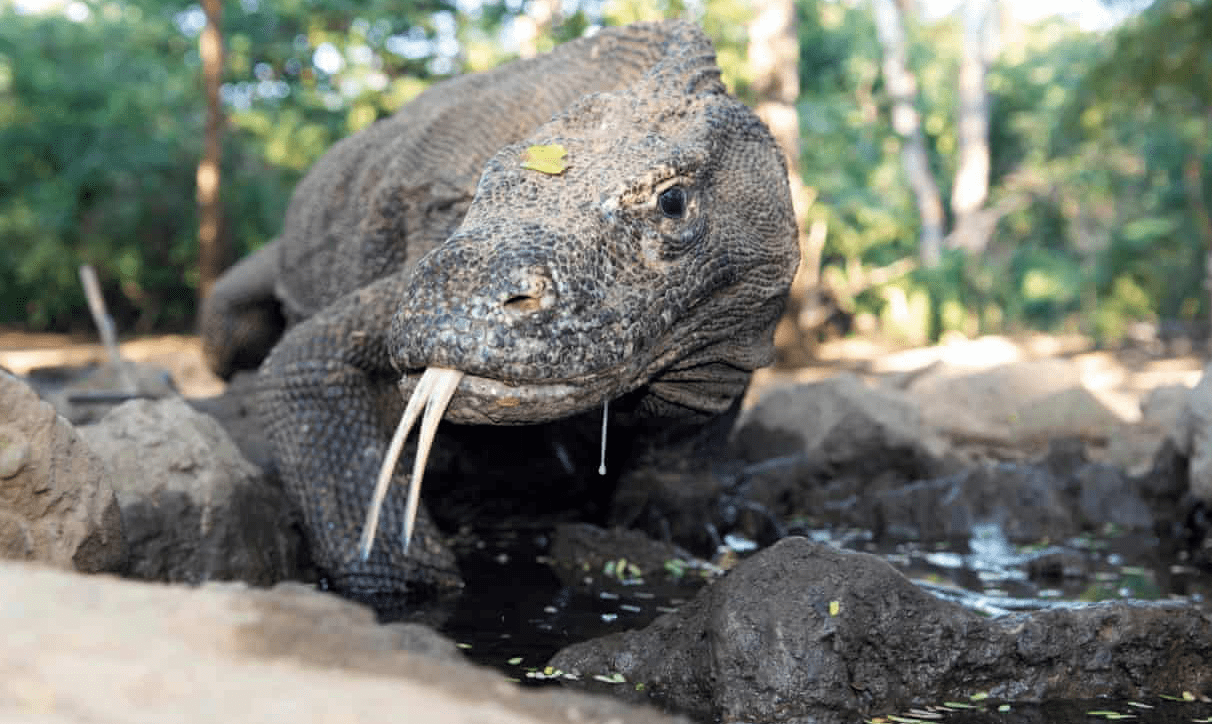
x: 545, y: 159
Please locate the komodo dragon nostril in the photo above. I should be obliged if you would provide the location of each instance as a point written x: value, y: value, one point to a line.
x: 523, y: 304
x: 532, y: 294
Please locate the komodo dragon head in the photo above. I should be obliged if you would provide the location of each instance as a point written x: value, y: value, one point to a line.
x: 654, y: 253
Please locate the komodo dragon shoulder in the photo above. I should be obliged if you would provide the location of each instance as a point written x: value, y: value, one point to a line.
x: 644, y: 270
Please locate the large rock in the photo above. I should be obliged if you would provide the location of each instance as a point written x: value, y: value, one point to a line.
x: 1021, y: 404
x: 1057, y: 497
x: 193, y: 508
x: 804, y: 632
x: 56, y: 503
x: 814, y: 450
x: 102, y: 650
x: 840, y: 421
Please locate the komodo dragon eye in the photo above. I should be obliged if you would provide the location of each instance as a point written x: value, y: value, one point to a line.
x: 673, y: 202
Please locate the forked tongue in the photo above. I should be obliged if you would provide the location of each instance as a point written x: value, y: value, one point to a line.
x: 434, y: 390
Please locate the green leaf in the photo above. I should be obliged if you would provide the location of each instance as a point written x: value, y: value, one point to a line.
x: 545, y: 159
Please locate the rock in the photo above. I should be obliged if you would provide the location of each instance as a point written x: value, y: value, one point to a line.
x: 1020, y: 404
x: 817, y: 450
x: 1162, y: 408
x: 90, y: 394
x: 840, y: 421
x: 1031, y: 502
x: 56, y: 502
x: 98, y: 649
x: 234, y: 409
x: 194, y: 509
x: 1073, y: 412
x: 582, y: 553
x: 1106, y: 495
x: 804, y: 632
x: 682, y: 506
x: 1025, y: 501
x: 1134, y: 447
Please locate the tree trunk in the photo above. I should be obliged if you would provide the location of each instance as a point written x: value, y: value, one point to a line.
x: 902, y: 89
x: 1194, y: 182
x: 212, y: 251
x: 971, y: 187
x: 774, y: 55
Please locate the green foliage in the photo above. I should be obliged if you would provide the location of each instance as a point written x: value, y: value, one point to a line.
x: 93, y: 170
x: 101, y: 129
x: 724, y: 21
x: 1100, y: 149
x: 1100, y: 160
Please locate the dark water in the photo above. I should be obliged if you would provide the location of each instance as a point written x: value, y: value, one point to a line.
x: 516, y: 612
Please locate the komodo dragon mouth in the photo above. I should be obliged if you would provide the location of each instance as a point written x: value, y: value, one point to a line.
x: 433, y: 394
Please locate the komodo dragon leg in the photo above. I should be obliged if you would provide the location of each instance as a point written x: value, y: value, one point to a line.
x: 329, y: 401
x: 241, y: 319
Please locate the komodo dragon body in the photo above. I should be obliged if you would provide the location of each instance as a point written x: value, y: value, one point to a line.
x: 646, y: 269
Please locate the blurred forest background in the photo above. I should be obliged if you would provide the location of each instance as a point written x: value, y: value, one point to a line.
x: 970, y: 172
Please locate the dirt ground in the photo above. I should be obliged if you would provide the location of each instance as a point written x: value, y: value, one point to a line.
x: 181, y: 355
x: 1120, y: 379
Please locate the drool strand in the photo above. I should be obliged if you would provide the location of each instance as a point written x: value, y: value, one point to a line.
x: 435, y: 383
x: 602, y: 459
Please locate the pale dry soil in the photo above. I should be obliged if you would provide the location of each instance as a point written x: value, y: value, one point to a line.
x: 1119, y: 379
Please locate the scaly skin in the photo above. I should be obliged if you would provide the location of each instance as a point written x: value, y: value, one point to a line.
x: 650, y: 272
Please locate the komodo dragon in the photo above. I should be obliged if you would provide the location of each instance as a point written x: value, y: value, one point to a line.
x: 645, y: 267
